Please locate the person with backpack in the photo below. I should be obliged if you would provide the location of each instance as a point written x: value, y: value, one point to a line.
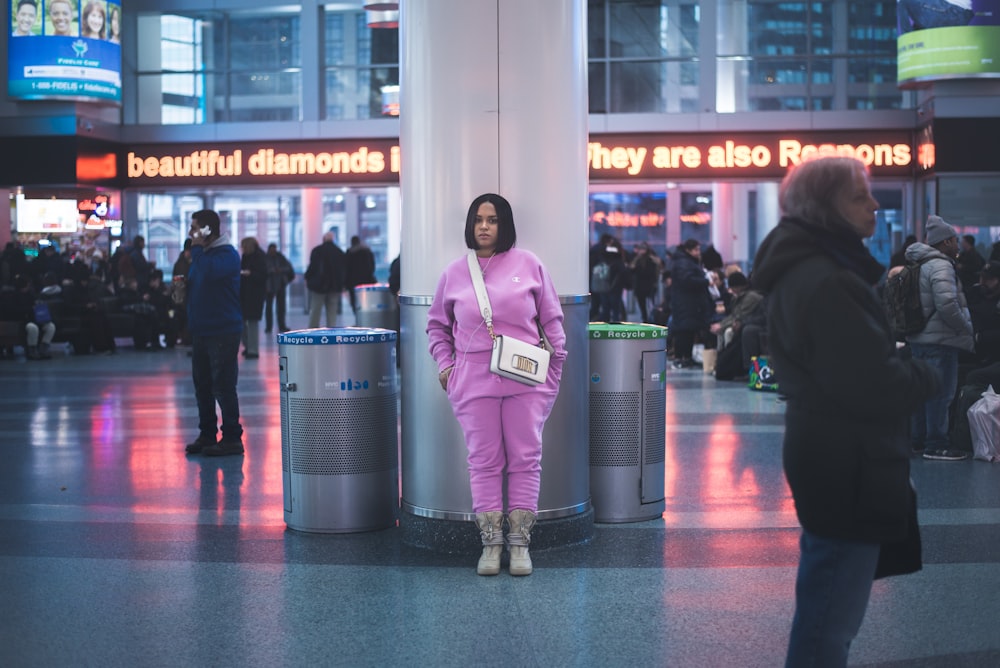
x: 947, y: 332
x: 600, y: 284
x: 596, y: 257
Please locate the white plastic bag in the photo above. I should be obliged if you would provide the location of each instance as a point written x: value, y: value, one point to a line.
x: 697, y: 352
x: 984, y: 423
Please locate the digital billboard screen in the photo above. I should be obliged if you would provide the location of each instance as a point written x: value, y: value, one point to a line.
x: 65, y: 49
x: 947, y: 39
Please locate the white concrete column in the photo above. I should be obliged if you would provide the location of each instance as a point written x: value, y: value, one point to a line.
x: 495, y: 101
x: 493, y: 98
x: 768, y: 211
x: 312, y: 221
x: 722, y: 219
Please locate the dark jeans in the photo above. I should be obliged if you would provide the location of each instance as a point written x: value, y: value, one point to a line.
x: 929, y: 424
x: 643, y: 300
x: 683, y: 343
x: 215, y: 372
x: 832, y: 589
x: 923, y: 14
x: 273, y: 297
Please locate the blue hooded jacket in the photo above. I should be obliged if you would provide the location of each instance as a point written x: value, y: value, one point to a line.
x: 213, y: 289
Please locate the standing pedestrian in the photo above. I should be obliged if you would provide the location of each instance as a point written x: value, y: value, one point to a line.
x: 948, y: 333
x: 279, y: 274
x: 360, y: 268
x: 216, y: 323
x: 325, y: 281
x: 849, y: 395
x: 501, y: 419
x: 253, y: 286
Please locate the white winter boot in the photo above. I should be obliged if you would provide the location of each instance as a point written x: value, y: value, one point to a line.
x: 491, y: 531
x: 521, y: 523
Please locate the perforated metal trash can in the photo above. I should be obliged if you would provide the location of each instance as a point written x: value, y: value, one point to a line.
x: 339, y: 443
x: 627, y: 420
x: 376, y: 306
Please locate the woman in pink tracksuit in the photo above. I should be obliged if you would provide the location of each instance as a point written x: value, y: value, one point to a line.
x: 502, y: 419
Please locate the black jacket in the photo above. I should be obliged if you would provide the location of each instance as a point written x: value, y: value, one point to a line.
x: 846, y: 449
x: 326, y: 271
x: 691, y: 304
x: 253, y: 286
x: 360, y: 266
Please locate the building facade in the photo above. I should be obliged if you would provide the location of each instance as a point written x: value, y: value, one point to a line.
x: 284, y: 119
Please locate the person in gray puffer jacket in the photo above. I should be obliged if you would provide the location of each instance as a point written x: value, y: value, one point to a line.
x: 948, y: 331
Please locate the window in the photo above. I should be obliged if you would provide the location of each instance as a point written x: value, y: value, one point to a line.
x: 360, y: 64
x: 643, y: 56
x: 835, y: 54
x: 218, y: 67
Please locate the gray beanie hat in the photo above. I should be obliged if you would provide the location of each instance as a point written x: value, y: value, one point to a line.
x: 937, y: 231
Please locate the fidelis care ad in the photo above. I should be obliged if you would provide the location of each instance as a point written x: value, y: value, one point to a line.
x: 947, y: 39
x: 65, y: 49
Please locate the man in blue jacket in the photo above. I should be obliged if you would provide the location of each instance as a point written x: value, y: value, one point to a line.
x: 216, y: 323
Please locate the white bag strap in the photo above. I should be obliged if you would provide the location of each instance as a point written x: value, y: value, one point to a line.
x: 484, y: 302
x: 481, y: 295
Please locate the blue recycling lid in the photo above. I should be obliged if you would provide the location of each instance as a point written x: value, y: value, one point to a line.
x: 336, y: 336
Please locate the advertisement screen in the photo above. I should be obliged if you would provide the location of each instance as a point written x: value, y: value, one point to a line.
x: 47, y: 216
x: 947, y: 39
x: 65, y: 49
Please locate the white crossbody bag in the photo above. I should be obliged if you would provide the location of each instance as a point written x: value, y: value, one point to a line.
x: 512, y: 358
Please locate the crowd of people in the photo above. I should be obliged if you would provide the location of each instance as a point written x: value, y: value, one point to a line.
x: 45, y: 294
x: 706, y: 304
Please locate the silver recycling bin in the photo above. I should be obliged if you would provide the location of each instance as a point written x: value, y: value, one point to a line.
x: 376, y: 306
x: 628, y: 400
x: 339, y: 429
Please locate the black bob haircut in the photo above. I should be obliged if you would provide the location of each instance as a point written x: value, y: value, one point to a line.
x: 506, y: 234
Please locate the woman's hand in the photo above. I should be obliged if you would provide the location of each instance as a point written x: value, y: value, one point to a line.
x: 444, y: 376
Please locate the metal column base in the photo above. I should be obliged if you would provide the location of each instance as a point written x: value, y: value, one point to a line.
x: 462, y: 537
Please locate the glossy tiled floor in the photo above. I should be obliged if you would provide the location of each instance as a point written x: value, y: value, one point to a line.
x: 116, y: 549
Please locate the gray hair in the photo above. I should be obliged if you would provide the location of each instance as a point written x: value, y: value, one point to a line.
x: 808, y: 192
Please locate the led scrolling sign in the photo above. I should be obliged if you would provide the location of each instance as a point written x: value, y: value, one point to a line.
x: 610, y: 158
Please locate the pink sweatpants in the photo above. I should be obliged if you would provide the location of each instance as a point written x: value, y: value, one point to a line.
x: 502, y: 421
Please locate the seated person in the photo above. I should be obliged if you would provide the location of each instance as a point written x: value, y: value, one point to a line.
x: 145, y: 329
x: 739, y: 333
x: 168, y: 320
x: 19, y: 306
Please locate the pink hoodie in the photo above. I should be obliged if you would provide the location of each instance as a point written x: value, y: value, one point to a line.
x: 520, y: 291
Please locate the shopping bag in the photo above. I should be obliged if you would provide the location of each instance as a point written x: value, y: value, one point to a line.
x: 984, y: 423
x: 698, y: 352
x: 761, y: 376
x: 708, y: 358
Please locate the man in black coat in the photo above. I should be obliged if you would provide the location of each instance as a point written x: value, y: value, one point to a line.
x: 325, y: 278
x: 360, y: 268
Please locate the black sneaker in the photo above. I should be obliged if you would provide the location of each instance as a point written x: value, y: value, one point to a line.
x: 946, y: 455
x: 223, y: 449
x: 198, y: 445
